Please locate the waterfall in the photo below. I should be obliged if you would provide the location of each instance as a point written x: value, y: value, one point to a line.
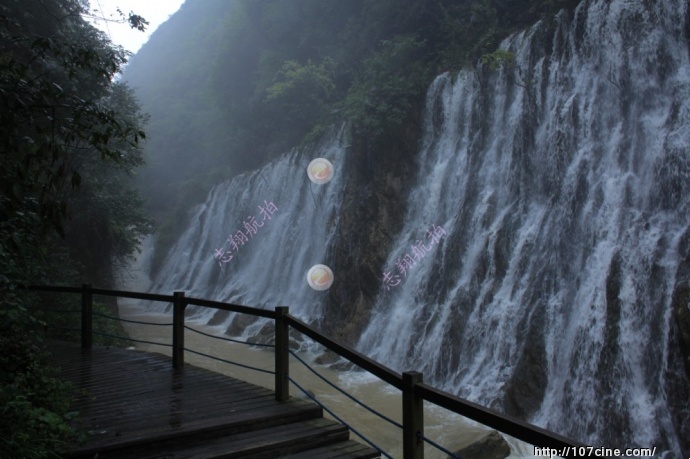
x: 551, y: 199
x: 545, y: 233
x: 287, y: 221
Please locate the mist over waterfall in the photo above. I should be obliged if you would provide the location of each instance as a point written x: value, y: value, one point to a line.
x: 269, y: 267
x: 562, y: 185
x: 542, y: 265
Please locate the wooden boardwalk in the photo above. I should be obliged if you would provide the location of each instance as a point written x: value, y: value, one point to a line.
x: 135, y: 405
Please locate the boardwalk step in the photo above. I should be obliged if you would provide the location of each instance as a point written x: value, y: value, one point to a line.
x: 266, y: 443
x: 343, y: 450
x: 316, y: 439
x: 139, y: 407
x: 260, y: 418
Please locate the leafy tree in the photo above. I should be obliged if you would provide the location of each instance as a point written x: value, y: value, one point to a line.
x: 382, y: 97
x: 34, y: 401
x: 55, y: 71
x: 60, y: 117
x: 106, y: 217
x: 310, y: 82
x: 303, y: 93
x: 498, y: 59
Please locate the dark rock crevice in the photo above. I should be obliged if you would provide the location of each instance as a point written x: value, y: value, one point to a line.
x: 525, y: 390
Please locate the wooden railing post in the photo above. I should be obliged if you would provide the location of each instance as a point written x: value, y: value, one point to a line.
x: 179, y: 304
x: 86, y: 316
x: 413, y: 416
x: 282, y: 332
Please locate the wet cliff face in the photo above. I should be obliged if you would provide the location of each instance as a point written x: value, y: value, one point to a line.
x: 348, y: 224
x: 256, y: 236
x: 379, y: 178
x: 562, y: 183
x: 678, y: 360
x: 529, y: 253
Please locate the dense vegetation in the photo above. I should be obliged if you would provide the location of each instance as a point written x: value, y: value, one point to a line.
x: 69, y: 141
x: 233, y: 83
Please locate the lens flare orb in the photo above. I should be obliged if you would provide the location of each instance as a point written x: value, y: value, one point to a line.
x: 320, y: 277
x: 320, y: 171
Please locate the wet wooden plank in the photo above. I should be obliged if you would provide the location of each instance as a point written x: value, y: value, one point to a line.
x: 270, y: 442
x: 138, y: 397
x: 343, y: 450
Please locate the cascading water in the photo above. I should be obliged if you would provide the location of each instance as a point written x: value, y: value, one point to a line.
x: 562, y: 184
x: 288, y: 223
x: 542, y: 243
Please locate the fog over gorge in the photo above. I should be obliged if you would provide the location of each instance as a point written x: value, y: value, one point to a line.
x: 493, y: 193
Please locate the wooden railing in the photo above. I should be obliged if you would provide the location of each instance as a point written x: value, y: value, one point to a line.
x: 414, y: 390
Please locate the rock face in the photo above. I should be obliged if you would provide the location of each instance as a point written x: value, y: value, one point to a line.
x: 558, y: 194
x: 678, y: 361
x: 492, y: 446
x: 564, y: 207
x: 371, y: 215
x: 681, y: 302
x: 525, y: 390
x: 681, y: 316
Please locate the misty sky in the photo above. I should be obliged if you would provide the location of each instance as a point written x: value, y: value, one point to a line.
x: 154, y: 11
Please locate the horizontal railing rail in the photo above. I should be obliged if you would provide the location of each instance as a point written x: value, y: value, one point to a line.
x: 491, y: 418
x: 381, y: 371
x: 232, y: 307
x: 414, y: 390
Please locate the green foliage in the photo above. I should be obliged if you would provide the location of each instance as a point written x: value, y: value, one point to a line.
x: 56, y: 70
x: 63, y: 117
x: 310, y: 82
x: 499, y: 59
x: 471, y: 29
x: 61, y: 122
x: 303, y: 93
x: 107, y: 221
x: 34, y: 401
x: 382, y: 97
x: 60, y: 316
x: 135, y: 21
